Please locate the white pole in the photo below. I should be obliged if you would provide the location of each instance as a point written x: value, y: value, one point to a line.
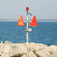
x: 27, y: 38
x: 27, y: 30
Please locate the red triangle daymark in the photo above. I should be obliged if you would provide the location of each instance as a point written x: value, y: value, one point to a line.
x: 20, y: 22
x: 34, y: 22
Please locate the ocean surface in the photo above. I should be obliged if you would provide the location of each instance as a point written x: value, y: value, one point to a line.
x: 45, y: 33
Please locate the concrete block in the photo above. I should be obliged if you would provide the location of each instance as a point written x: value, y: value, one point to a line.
x: 54, y: 55
x: 43, y: 53
x: 1, y: 48
x: 6, y: 49
x: 5, y: 55
x: 19, y: 50
x: 31, y: 54
x: 53, y: 49
x: 23, y: 55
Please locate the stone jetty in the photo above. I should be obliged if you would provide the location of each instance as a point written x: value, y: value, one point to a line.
x: 9, y: 49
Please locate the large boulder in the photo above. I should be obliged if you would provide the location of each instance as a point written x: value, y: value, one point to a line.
x: 10, y: 44
x: 54, y: 55
x: 5, y: 55
x: 7, y: 42
x: 20, y: 49
x: 10, y: 49
x: 37, y: 47
x: 1, y: 48
x: 53, y: 49
x: 24, y: 55
x: 6, y: 49
x: 43, y: 53
x: 31, y: 54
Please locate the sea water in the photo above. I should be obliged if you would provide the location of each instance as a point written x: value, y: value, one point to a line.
x: 45, y: 33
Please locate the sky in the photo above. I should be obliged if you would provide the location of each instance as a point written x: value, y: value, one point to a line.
x: 13, y: 9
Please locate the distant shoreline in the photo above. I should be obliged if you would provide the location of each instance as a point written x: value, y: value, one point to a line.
x: 39, y: 20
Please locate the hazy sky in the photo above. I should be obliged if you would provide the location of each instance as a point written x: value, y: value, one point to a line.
x: 43, y: 9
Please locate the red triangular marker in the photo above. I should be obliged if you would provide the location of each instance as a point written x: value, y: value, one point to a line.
x: 20, y: 22
x: 34, y: 22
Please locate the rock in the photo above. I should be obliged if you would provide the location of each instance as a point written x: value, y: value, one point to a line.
x: 23, y: 55
x: 10, y: 44
x: 1, y: 48
x: 53, y: 49
x: 43, y: 53
x: 9, y: 49
x: 42, y: 46
x: 22, y: 49
x: 1, y: 51
x: 7, y: 42
x: 36, y: 47
x: 5, y: 55
x: 6, y: 49
x: 31, y: 46
x: 54, y: 55
x: 31, y: 54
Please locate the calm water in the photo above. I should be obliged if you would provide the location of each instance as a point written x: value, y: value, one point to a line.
x: 45, y: 33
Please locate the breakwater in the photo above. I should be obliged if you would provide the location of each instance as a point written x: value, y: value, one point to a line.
x: 9, y: 49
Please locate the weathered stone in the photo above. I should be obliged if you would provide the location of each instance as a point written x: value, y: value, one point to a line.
x: 1, y: 51
x: 9, y: 49
x: 19, y: 50
x: 31, y: 54
x: 23, y: 55
x: 37, y: 47
x: 5, y: 55
x: 42, y: 46
x: 7, y: 42
x: 1, y: 48
x: 53, y: 49
x: 54, y: 55
x: 6, y: 49
x: 10, y: 44
x: 31, y: 46
x: 43, y: 53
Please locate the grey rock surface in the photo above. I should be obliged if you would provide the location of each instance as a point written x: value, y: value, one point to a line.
x: 9, y: 49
